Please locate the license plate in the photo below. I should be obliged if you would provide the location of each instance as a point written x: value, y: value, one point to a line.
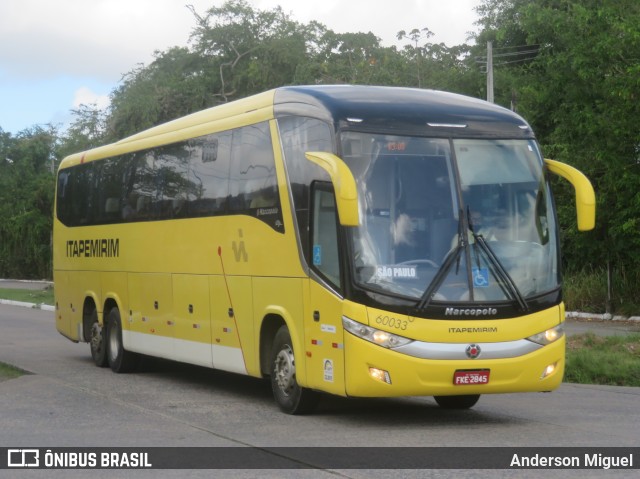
x: 471, y: 377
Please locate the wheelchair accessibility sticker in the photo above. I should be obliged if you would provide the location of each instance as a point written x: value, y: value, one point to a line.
x: 480, y: 277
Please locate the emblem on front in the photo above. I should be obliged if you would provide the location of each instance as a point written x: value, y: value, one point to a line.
x: 473, y: 351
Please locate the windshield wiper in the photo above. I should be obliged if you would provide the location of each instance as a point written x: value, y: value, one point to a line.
x: 452, y: 257
x: 499, y: 270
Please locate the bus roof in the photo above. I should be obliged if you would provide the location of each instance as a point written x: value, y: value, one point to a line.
x: 407, y: 110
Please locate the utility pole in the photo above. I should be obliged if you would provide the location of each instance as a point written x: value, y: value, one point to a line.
x: 490, y: 72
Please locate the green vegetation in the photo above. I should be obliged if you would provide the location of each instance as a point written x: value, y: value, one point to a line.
x: 570, y: 67
x: 28, y: 296
x: 610, y: 361
x: 9, y: 372
x: 586, y: 290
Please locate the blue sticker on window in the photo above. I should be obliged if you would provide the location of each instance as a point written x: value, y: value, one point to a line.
x: 317, y: 255
x: 480, y: 277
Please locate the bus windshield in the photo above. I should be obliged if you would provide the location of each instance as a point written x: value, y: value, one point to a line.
x: 462, y: 220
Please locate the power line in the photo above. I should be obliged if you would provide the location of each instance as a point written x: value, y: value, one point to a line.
x: 528, y: 53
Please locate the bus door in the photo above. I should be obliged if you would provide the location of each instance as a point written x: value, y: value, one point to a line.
x: 324, y: 335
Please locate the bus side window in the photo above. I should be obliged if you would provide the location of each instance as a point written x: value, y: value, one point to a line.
x: 208, y: 174
x: 253, y: 173
x: 324, y: 247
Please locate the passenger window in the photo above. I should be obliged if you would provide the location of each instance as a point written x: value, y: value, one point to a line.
x: 324, y: 248
x: 208, y: 174
x: 253, y: 172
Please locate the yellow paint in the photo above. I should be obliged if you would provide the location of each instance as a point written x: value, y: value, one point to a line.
x: 585, y: 196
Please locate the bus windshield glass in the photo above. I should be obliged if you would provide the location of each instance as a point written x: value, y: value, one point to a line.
x: 462, y: 220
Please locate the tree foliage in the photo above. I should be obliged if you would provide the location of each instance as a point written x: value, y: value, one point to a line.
x: 26, y: 185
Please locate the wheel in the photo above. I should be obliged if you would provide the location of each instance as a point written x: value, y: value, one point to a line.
x: 457, y: 402
x: 120, y: 360
x: 97, y: 342
x: 290, y: 397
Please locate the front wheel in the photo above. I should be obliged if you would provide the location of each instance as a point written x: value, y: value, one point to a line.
x: 457, y: 402
x: 290, y: 397
x: 120, y: 360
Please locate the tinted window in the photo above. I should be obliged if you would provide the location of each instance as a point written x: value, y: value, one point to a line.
x: 209, y: 173
x: 253, y: 186
x: 300, y: 135
x: 180, y: 180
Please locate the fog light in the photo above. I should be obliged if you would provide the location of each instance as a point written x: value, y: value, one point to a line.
x: 380, y: 375
x: 549, y: 370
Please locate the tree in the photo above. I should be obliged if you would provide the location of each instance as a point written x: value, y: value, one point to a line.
x: 26, y: 202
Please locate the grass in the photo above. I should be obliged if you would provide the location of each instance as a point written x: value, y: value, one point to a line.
x: 9, y: 372
x: 609, y: 361
x: 586, y: 290
x: 44, y: 296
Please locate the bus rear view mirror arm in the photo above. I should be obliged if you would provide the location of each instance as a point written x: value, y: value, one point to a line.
x: 585, y: 196
x: 344, y: 185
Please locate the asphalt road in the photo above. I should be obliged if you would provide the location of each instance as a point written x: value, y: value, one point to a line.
x: 68, y: 402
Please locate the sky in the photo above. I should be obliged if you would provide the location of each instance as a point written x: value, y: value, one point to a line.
x: 58, y: 54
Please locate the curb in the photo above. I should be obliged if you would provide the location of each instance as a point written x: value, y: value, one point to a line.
x: 44, y: 307
x: 600, y: 317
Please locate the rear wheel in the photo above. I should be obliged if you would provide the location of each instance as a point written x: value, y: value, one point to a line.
x: 120, y: 360
x: 457, y: 402
x: 290, y: 397
x: 97, y: 341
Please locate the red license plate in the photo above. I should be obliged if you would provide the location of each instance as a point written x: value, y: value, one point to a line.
x: 472, y: 377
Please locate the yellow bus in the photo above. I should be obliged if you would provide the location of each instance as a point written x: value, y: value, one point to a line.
x: 354, y: 240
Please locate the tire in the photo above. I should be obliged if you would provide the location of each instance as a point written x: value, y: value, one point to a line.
x: 120, y: 360
x: 457, y: 402
x: 290, y: 397
x: 97, y: 341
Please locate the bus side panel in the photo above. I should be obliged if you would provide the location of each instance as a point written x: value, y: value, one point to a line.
x: 324, y: 337
x: 75, y: 286
x: 151, y: 327
x: 191, y: 314
x: 231, y: 323
x: 115, y: 286
x: 63, y: 296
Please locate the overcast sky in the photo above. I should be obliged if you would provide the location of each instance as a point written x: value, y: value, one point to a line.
x: 58, y: 54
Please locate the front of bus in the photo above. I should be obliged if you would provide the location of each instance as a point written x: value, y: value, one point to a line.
x: 454, y: 282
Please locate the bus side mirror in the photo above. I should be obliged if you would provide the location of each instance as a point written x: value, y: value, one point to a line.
x: 344, y: 184
x: 585, y: 196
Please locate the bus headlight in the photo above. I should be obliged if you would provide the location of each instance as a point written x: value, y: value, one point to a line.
x: 376, y: 336
x: 548, y: 336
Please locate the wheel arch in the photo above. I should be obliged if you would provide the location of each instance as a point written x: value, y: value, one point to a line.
x: 274, y: 318
x: 268, y: 329
x: 89, y: 306
x: 110, y: 303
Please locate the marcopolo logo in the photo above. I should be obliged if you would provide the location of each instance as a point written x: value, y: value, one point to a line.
x: 470, y: 311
